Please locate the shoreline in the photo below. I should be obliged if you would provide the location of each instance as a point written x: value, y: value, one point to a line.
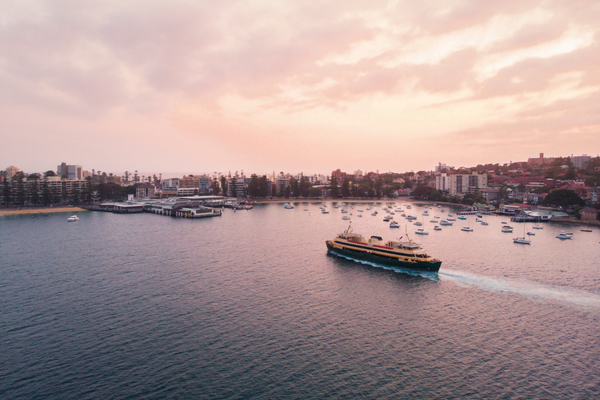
x: 33, y: 211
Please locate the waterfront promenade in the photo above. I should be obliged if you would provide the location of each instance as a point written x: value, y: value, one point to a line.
x: 39, y: 210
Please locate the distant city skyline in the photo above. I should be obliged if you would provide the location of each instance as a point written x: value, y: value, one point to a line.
x: 171, y: 174
x: 300, y: 86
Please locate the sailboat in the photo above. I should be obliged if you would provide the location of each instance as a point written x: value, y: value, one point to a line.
x: 522, y: 240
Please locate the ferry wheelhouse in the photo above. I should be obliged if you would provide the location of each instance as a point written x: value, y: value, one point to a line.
x: 405, y: 254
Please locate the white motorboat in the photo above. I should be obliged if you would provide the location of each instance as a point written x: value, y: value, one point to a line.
x: 563, y: 236
x: 287, y: 206
x: 537, y: 227
x: 73, y: 218
x: 421, y: 232
x: 445, y: 222
x: 466, y: 229
x: 437, y: 228
x: 394, y: 224
x: 507, y: 229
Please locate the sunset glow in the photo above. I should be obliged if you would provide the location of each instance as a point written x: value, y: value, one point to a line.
x: 306, y: 86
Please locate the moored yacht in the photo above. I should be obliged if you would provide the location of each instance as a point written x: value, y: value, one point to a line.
x: 563, y: 236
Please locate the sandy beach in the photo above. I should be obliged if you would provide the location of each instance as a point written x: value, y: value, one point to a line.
x: 26, y: 211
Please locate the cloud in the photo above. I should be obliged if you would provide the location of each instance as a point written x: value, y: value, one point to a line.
x: 484, y: 70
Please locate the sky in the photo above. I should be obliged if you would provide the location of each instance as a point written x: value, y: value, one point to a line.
x: 296, y: 86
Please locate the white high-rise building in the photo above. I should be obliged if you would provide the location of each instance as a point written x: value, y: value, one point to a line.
x: 460, y: 184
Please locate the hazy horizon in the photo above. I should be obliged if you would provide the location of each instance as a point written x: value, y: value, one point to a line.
x: 301, y: 86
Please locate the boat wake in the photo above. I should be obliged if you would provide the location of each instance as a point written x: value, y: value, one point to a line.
x: 525, y: 288
x: 423, y: 274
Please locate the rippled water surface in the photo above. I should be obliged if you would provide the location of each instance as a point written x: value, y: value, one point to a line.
x: 249, y: 305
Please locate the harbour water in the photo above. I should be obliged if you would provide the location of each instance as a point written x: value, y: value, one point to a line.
x: 250, y: 306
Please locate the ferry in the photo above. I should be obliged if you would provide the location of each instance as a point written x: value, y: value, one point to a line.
x: 406, y: 254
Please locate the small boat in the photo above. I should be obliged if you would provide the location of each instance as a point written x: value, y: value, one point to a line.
x: 324, y: 211
x: 484, y: 223
x: 344, y: 211
x: 437, y: 228
x: 387, y: 218
x: 73, y: 218
x: 433, y: 221
x: 563, y: 236
x: 451, y: 219
x: 421, y: 232
x: 478, y: 220
x: 445, y: 222
x: 466, y: 229
x: 531, y: 233
x: 418, y: 223
x: 306, y: 209
x: 586, y: 230
x: 345, y: 217
x: 437, y: 217
x: 410, y: 217
x: 504, y: 222
x: 394, y: 224
x: 359, y: 215
x: 425, y: 212
x: 287, y: 206
x: 462, y: 217
x: 537, y: 227
x: 507, y: 229
x: 521, y: 240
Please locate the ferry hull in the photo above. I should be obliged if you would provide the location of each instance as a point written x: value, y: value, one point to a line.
x: 432, y: 266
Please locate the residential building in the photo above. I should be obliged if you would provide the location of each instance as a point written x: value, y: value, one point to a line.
x: 70, y: 172
x: 580, y: 161
x: 441, y: 167
x: 281, y: 183
x: 203, y: 184
x: 170, y: 185
x: 236, y: 187
x: 188, y: 185
x: 339, y: 176
x: 461, y: 184
x: 11, y: 171
x: 589, y: 213
x: 490, y: 194
x: 145, y: 190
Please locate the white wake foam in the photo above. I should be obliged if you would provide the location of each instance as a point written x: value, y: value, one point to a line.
x: 522, y: 287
